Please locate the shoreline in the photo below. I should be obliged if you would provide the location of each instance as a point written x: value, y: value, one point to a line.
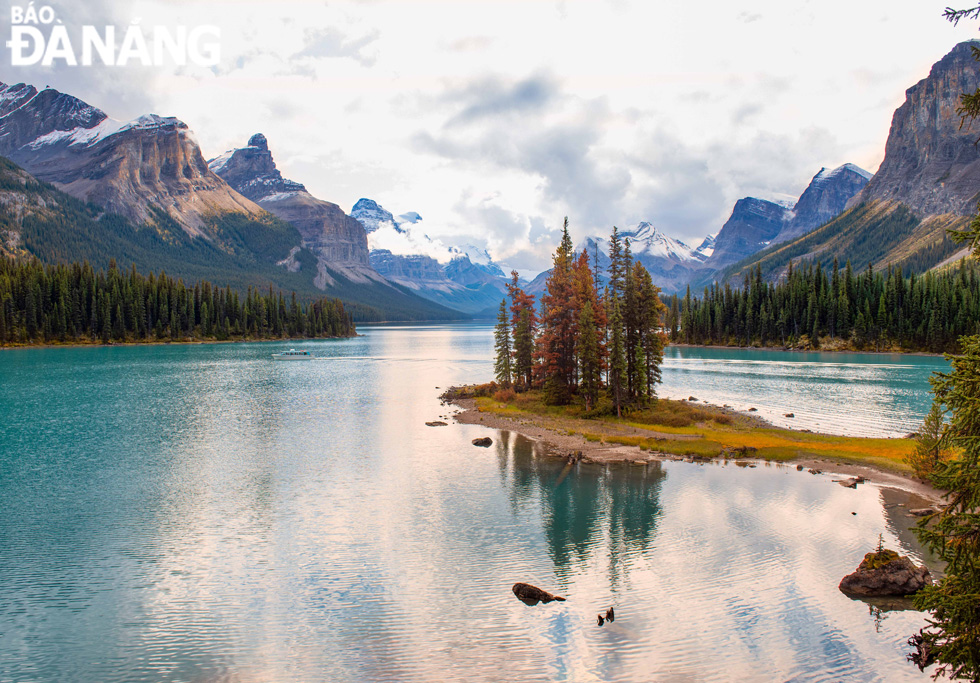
x: 925, y: 354
x: 165, y: 342
x: 563, y: 443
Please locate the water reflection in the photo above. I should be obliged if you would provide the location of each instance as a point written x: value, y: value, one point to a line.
x: 201, y: 513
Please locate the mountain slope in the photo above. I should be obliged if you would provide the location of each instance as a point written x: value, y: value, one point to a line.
x: 825, y: 198
x: 928, y: 183
x: 338, y: 241
x: 758, y: 223
x: 38, y: 220
x: 465, y: 279
x: 753, y: 225
x: 128, y: 168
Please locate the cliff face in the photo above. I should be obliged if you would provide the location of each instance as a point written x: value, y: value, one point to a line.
x: 754, y: 223
x: 928, y: 184
x: 338, y: 241
x: 932, y: 165
x: 126, y: 168
x: 824, y: 199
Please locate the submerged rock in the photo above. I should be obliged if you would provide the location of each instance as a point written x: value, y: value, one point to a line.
x: 532, y: 595
x: 922, y: 512
x: 883, y: 573
x: 485, y: 442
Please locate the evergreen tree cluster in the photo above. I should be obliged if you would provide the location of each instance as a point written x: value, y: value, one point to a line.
x: 872, y: 310
x: 76, y: 303
x: 580, y: 342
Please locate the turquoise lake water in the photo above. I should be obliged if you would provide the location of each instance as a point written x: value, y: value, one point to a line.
x: 201, y: 513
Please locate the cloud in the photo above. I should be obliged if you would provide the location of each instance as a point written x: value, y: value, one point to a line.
x: 329, y: 43
x: 493, y: 97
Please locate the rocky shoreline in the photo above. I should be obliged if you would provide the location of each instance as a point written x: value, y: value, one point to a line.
x: 558, y: 442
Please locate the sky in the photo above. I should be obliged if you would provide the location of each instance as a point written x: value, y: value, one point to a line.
x: 494, y: 120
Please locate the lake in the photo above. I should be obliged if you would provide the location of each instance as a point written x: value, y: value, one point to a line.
x: 202, y: 513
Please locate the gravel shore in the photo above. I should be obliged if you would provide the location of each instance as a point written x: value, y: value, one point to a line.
x: 558, y: 442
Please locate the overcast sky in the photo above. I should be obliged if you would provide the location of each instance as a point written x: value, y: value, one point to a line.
x: 494, y: 120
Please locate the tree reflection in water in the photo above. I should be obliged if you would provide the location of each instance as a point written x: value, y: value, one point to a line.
x: 587, y: 510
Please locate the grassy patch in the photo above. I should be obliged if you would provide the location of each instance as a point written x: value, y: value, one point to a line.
x: 680, y: 428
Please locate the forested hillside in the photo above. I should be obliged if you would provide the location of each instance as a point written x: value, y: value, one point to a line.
x: 76, y: 304
x: 876, y: 311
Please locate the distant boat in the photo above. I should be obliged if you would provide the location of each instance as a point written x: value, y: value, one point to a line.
x: 292, y: 354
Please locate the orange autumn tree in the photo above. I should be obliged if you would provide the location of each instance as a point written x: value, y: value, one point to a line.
x: 590, y: 349
x: 555, y: 352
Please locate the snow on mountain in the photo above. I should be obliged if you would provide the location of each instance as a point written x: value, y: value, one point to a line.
x: 706, y: 248
x: 464, y: 277
x: 647, y: 240
x: 403, y: 235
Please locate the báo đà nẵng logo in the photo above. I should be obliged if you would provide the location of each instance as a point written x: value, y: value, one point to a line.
x: 38, y: 36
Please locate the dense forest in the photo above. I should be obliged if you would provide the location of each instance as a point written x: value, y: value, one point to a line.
x: 583, y: 344
x: 75, y: 303
x: 874, y: 311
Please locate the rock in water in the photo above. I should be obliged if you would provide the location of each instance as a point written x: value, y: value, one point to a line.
x: 922, y: 512
x: 485, y: 442
x: 532, y: 595
x: 883, y: 573
x: 610, y: 615
x: 435, y: 423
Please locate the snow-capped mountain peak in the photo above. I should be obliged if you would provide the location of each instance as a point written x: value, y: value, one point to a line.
x: 706, y: 248
x: 645, y: 239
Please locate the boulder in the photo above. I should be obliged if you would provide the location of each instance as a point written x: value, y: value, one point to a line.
x: 883, y: 573
x: 532, y: 595
x: 485, y: 442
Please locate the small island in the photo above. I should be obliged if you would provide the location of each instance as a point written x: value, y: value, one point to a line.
x: 578, y: 372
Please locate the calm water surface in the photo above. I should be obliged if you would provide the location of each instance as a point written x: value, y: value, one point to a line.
x: 858, y: 394
x: 201, y: 513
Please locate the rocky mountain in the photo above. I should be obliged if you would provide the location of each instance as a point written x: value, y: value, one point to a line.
x: 463, y: 278
x: 153, y: 201
x: 824, y: 199
x: 932, y: 165
x: 928, y: 182
x: 128, y: 168
x: 753, y: 225
x: 758, y: 223
x: 338, y: 241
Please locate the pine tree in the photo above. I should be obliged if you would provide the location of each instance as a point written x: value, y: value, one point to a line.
x: 589, y: 359
x: 954, y: 535
x: 524, y: 325
x: 617, y: 358
x: 502, y: 365
x: 929, y: 450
